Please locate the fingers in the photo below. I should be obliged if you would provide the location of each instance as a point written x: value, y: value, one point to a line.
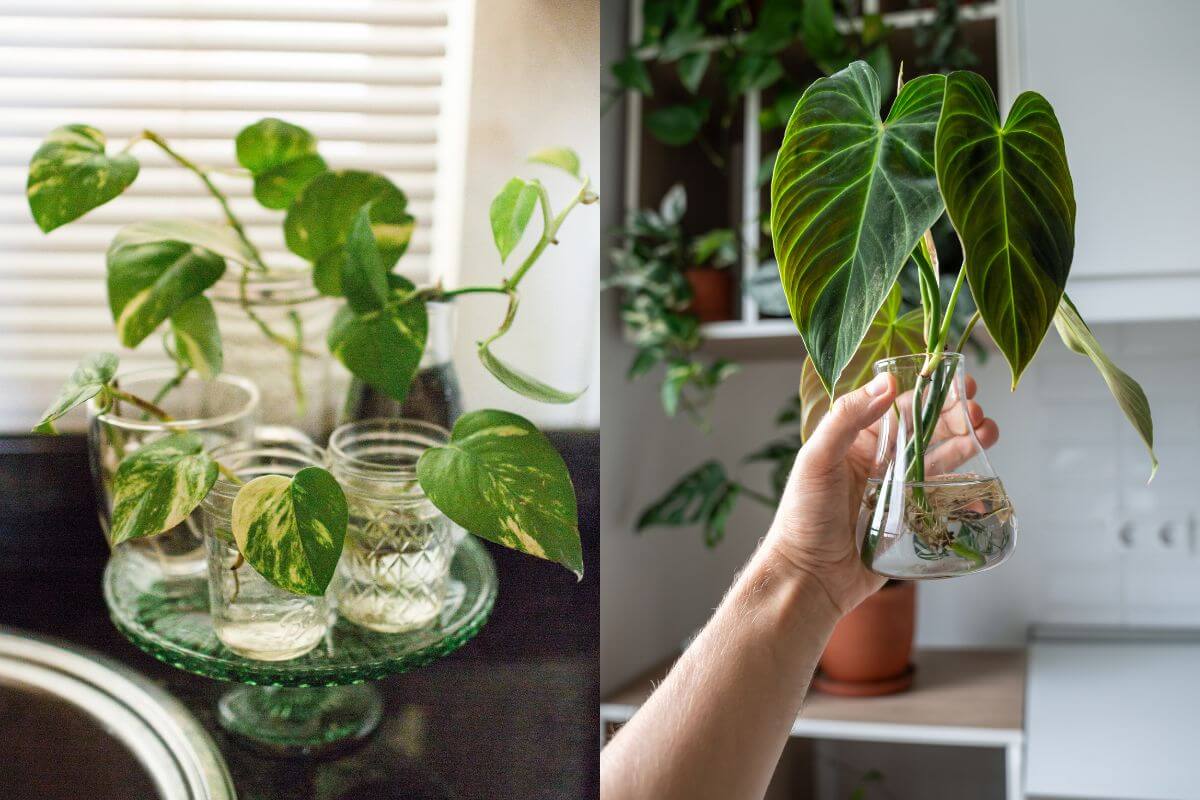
x: 851, y: 414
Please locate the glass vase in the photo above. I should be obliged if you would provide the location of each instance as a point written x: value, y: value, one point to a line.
x: 393, y: 572
x: 220, y: 410
x: 250, y: 616
x: 933, y: 506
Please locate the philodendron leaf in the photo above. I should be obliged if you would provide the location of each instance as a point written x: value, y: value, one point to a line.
x: 1008, y: 192
x: 563, y: 158
x: 282, y: 158
x: 70, y: 174
x: 197, y: 338
x: 93, y: 374
x: 850, y: 197
x: 1129, y: 395
x: 510, y: 213
x: 364, y: 278
x: 522, y: 383
x: 501, y: 479
x: 382, y: 348
x: 891, y: 334
x: 159, y: 485
x: 155, y: 268
x: 318, y: 222
x: 291, y: 530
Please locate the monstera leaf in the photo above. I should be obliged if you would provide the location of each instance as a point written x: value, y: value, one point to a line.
x: 850, y: 197
x: 501, y: 479
x: 1009, y: 194
x: 157, y: 487
x: 71, y: 174
x: 891, y: 334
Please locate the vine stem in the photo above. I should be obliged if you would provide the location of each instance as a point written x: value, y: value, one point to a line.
x: 162, y: 416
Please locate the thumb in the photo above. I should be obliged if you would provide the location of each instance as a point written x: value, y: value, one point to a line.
x: 850, y: 415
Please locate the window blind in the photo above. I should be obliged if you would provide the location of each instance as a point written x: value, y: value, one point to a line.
x: 365, y: 76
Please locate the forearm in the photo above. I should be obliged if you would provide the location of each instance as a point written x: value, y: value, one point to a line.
x: 717, y: 724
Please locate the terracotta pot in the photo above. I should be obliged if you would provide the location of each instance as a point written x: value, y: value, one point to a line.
x: 712, y: 293
x: 873, y: 643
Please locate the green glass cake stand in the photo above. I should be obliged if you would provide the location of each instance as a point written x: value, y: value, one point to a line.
x: 319, y: 703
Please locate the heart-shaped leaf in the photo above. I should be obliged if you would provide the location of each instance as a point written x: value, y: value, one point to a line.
x: 159, y: 485
x: 510, y: 213
x: 318, y: 222
x: 70, y: 174
x: 291, y: 530
x: 521, y: 382
x: 364, y: 278
x: 891, y: 334
x: 282, y: 158
x: 1129, y: 395
x: 563, y: 158
x: 93, y: 374
x: 197, y: 338
x: 678, y: 125
x: 382, y: 348
x: 850, y: 197
x: 1008, y: 192
x: 218, y: 238
x: 501, y: 479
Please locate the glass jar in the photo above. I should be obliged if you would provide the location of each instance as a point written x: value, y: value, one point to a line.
x: 250, y: 616
x: 281, y: 299
x: 943, y: 514
x: 220, y: 410
x: 393, y: 572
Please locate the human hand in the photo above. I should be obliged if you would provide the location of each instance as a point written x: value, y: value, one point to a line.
x: 813, y: 530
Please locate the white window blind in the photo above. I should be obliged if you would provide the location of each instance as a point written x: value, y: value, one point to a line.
x: 365, y: 76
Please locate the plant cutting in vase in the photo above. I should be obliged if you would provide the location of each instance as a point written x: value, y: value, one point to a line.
x: 853, y: 197
x: 498, y: 476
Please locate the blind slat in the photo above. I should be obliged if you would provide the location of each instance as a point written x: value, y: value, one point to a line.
x: 395, y: 12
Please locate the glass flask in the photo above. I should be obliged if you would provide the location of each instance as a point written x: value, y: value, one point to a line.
x: 220, y: 410
x: 393, y: 572
x: 250, y: 616
x: 947, y: 513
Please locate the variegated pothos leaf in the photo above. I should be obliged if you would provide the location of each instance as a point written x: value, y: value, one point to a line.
x: 382, y: 348
x: 159, y: 485
x: 70, y: 174
x: 281, y: 156
x: 501, y: 479
x: 197, y: 338
x: 291, y: 530
x: 92, y: 374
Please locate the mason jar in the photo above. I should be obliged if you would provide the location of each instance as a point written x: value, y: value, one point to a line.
x: 250, y: 616
x: 395, y: 564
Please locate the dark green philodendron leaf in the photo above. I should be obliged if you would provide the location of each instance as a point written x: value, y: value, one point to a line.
x: 851, y: 196
x: 364, y: 278
x: 282, y: 158
x: 891, y: 334
x: 197, y: 338
x: 563, y: 158
x: 501, y: 479
x: 154, y: 268
x: 521, y: 382
x: 159, y: 485
x: 692, y: 68
x: 382, y: 348
x: 1129, y: 395
x: 291, y: 530
x: 89, y: 378
x: 678, y: 125
x: 318, y: 222
x: 70, y: 174
x: 1008, y: 192
x: 510, y: 213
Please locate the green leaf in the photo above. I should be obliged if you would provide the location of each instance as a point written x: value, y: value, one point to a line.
x: 220, y: 239
x: 197, y: 338
x: 678, y: 125
x: 150, y: 277
x: 70, y: 174
x: 291, y: 530
x: 692, y: 68
x: 521, y: 382
x: 1129, y: 395
x: 718, y: 517
x: 689, y: 501
x: 563, y: 158
x: 1008, y: 192
x: 718, y: 247
x: 850, y: 198
x: 159, y: 485
x: 318, y: 222
x: 501, y: 479
x: 383, y: 349
x: 93, y: 374
x: 632, y: 74
x: 282, y: 158
x: 822, y: 39
x: 680, y: 42
x: 510, y: 213
x: 891, y: 334
x: 364, y: 278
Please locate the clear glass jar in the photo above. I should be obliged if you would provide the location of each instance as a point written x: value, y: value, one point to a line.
x: 947, y: 513
x: 221, y: 410
x: 250, y: 616
x: 279, y: 299
x: 393, y: 572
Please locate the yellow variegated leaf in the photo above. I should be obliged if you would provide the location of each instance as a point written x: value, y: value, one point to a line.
x: 157, y: 487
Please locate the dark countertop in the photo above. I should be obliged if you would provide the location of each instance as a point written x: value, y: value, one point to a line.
x: 513, y: 714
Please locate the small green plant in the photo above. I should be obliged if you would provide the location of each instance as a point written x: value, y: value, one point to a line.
x: 498, y: 477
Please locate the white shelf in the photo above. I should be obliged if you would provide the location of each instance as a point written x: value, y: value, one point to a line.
x: 747, y: 329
